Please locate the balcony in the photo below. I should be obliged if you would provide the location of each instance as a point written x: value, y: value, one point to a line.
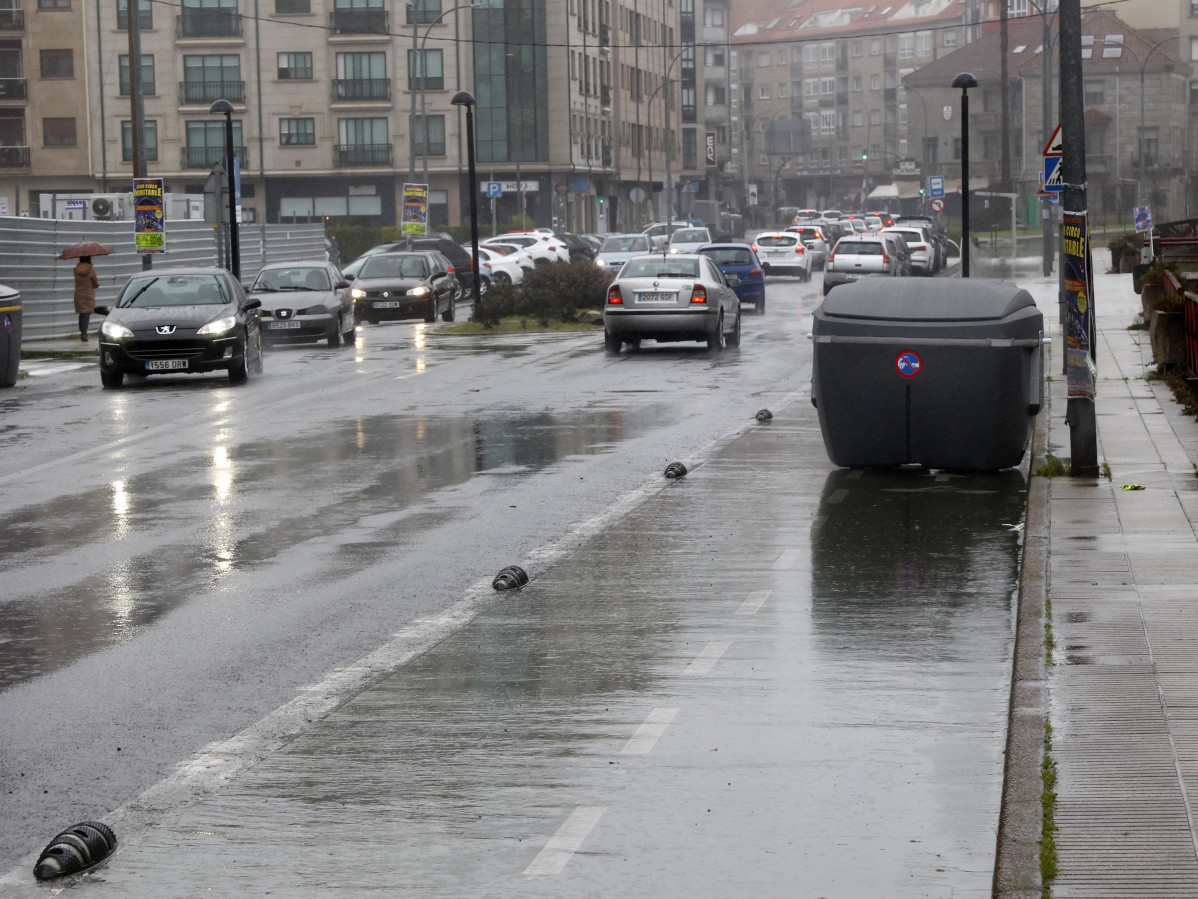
x: 207, y: 157
x: 355, y: 155
x: 14, y: 89
x: 1155, y: 162
x: 14, y: 157
x: 12, y: 20
x: 986, y: 121
x: 604, y: 35
x: 358, y: 21
x: 205, y: 92
x: 605, y: 96
x: 208, y: 23
x: 436, y: 147
x: 361, y: 89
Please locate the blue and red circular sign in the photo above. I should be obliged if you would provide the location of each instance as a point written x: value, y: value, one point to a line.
x: 908, y: 364
x: 7, y: 322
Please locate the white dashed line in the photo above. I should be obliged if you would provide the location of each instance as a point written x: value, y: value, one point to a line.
x: 753, y: 602
x: 650, y: 732
x: 786, y: 560
x: 707, y: 658
x: 563, y: 844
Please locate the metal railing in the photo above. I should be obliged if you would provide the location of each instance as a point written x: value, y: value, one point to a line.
x: 12, y: 20
x: 361, y: 89
x: 351, y: 155
x: 208, y: 23
x: 207, y: 157
x: 206, y: 92
x: 14, y: 89
x: 358, y: 21
x: 14, y: 157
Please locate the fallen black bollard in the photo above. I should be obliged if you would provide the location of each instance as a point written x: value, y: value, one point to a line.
x: 511, y: 578
x: 675, y: 470
x: 765, y: 415
x: 75, y: 849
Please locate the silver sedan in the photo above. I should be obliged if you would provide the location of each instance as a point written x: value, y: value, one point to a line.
x: 671, y: 297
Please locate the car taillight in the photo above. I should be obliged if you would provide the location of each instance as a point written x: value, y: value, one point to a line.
x: 754, y: 248
x: 831, y: 255
x: 451, y: 269
x: 613, y: 295
x: 486, y: 265
x: 754, y: 272
x: 799, y: 249
x: 699, y: 294
x: 885, y: 258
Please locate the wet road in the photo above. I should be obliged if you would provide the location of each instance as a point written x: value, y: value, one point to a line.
x: 181, y: 558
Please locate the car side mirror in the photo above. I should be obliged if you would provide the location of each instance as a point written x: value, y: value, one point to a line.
x: 101, y: 310
x: 341, y: 285
x: 253, y: 304
x: 350, y: 277
x: 733, y: 281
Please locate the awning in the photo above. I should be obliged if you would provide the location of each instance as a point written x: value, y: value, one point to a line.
x: 885, y: 192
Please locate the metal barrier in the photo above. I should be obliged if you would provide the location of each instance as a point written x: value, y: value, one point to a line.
x: 28, y: 247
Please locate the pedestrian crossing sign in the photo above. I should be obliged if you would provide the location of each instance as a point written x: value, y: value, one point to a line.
x: 1052, y: 174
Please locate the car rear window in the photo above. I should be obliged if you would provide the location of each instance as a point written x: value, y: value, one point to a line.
x: 729, y: 255
x: 810, y: 234
x: 660, y: 267
x: 777, y: 240
x: 689, y: 235
x: 859, y: 248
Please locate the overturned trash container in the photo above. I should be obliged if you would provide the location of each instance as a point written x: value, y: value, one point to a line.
x: 10, y: 335
x: 943, y: 373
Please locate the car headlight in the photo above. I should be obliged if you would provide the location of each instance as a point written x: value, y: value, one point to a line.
x: 419, y: 291
x: 357, y: 293
x: 219, y: 326
x: 601, y: 262
x: 673, y: 249
x: 115, y: 331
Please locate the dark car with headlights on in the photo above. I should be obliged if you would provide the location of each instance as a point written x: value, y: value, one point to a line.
x: 180, y: 320
x: 304, y: 301
x: 393, y: 286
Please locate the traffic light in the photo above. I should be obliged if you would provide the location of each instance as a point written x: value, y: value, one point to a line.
x: 864, y: 156
x: 921, y: 191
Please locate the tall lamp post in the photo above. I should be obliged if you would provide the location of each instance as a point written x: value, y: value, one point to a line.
x: 225, y: 108
x: 965, y: 81
x: 465, y: 98
x: 1143, y: 61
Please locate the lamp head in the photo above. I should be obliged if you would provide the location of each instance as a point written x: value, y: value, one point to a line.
x: 223, y: 107
x: 462, y: 98
x: 965, y: 80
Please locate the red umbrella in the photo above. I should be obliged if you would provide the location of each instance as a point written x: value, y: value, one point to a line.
x: 85, y: 248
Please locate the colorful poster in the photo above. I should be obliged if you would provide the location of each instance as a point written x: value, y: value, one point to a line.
x: 1079, y: 306
x: 149, y: 216
x: 415, y: 209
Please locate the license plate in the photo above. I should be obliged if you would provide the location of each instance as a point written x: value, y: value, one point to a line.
x: 385, y: 304
x: 166, y: 364
x: 656, y: 297
x: 282, y: 326
x: 778, y: 252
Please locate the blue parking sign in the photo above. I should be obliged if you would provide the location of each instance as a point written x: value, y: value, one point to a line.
x: 494, y: 188
x: 935, y: 186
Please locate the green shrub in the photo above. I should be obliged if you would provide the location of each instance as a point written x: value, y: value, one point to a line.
x: 554, y: 291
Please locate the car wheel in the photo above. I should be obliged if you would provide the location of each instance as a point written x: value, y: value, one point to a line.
x: 503, y: 279
x: 733, y: 339
x: 459, y: 289
x: 450, y: 311
x: 239, y: 371
x: 111, y: 379
x: 484, y: 287
x: 335, y: 337
x: 715, y: 341
x: 430, y: 314
x: 760, y: 304
x: 611, y: 342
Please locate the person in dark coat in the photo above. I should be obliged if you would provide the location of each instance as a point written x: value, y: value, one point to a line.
x: 86, y: 283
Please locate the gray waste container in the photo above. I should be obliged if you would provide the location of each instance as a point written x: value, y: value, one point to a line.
x: 943, y: 373
x: 10, y: 335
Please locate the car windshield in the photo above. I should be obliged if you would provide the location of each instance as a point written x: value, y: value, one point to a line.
x: 776, y: 240
x: 859, y: 248
x: 729, y: 255
x: 690, y: 235
x: 395, y: 267
x: 174, y: 290
x: 291, y: 279
x: 635, y: 244
x: 659, y: 267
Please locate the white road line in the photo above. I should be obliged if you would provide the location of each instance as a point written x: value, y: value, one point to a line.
x: 753, y: 602
x: 838, y: 496
x: 786, y: 560
x: 563, y: 844
x: 647, y: 735
x: 705, y: 660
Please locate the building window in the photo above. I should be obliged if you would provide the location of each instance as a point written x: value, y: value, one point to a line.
x: 58, y: 63
x: 827, y: 52
x: 811, y: 87
x: 58, y: 132
x: 906, y: 45
x: 148, y: 85
x: 1194, y: 7
x: 781, y: 91
x: 875, y: 82
x: 827, y: 86
x: 145, y: 15
x: 950, y: 39
x: 903, y: 148
x: 875, y: 117
x: 763, y: 92
x: 858, y: 83
x: 713, y: 16
x: 423, y: 12
x: 1095, y: 93
x: 284, y: 7
x: 149, y: 129
x: 856, y: 49
x: 206, y: 142
x: 902, y: 115
x: 810, y: 54
x: 210, y: 78
x: 690, y: 149
x: 923, y: 43
x: 715, y: 56
x: 858, y: 118
x: 827, y: 122
x: 435, y: 138
x: 875, y: 47
x: 763, y: 60
x: 717, y: 95
x: 433, y: 78
x: 53, y: 4
x: 362, y: 142
x: 297, y: 132
x: 295, y: 66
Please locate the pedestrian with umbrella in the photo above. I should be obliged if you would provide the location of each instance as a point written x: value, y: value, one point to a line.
x: 86, y: 281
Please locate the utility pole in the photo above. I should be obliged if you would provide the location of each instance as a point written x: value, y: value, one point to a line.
x: 1005, y: 103
x: 1075, y: 258
x: 137, y: 109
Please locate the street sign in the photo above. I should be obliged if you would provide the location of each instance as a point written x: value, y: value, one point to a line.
x: 1055, y: 146
x: 494, y: 188
x: 1143, y: 218
x: 936, y: 185
x: 1052, y: 174
x: 937, y: 204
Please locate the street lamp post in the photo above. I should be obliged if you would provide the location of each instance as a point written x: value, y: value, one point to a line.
x: 465, y: 98
x: 224, y: 107
x: 1143, y: 61
x: 965, y: 81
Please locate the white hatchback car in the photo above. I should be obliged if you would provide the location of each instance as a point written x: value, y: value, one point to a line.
x: 783, y: 252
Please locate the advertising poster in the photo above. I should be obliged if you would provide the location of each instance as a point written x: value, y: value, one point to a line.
x: 149, y: 216
x: 415, y: 209
x: 1079, y: 306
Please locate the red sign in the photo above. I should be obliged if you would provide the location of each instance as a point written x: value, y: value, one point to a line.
x: 937, y: 204
x: 710, y: 148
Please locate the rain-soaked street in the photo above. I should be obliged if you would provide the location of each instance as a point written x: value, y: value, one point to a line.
x: 252, y: 628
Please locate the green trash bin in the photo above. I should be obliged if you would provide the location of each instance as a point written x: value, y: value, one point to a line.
x: 10, y: 335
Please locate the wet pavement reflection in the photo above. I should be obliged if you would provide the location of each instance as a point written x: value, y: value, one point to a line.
x: 83, y: 571
x: 771, y: 678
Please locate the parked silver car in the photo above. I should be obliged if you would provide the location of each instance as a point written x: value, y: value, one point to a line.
x: 671, y: 297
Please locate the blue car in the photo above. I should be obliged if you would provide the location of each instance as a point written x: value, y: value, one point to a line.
x: 739, y: 259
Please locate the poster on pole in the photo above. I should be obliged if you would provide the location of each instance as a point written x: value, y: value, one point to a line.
x: 149, y: 216
x: 1079, y: 305
x: 415, y: 210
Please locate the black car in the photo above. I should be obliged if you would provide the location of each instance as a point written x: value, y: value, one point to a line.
x: 180, y: 320
x: 393, y: 286
x: 579, y: 249
x: 458, y: 257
